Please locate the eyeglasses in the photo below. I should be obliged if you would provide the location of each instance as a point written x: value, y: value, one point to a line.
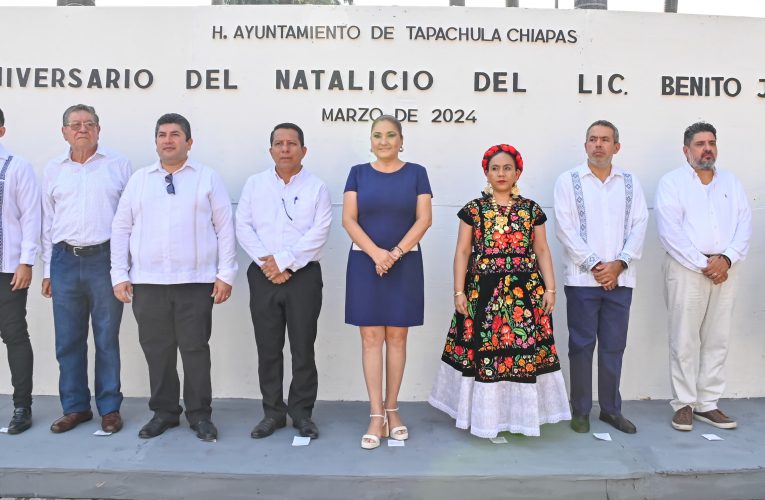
x: 285, y: 209
x: 170, y: 187
x: 90, y: 125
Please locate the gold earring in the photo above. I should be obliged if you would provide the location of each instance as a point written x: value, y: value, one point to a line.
x: 515, y: 191
x: 488, y: 189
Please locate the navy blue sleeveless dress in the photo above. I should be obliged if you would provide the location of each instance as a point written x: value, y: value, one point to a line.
x: 387, y: 206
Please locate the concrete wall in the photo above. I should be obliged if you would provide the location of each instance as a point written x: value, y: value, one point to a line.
x: 547, y: 123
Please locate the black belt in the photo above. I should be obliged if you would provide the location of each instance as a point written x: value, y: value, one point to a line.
x: 84, y: 251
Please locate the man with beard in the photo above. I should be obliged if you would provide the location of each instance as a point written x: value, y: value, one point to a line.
x: 704, y: 222
x: 601, y: 218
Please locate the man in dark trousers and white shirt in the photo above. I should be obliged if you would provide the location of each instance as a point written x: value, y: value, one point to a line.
x: 19, y: 244
x: 81, y: 189
x: 601, y: 219
x: 282, y: 222
x: 174, y: 255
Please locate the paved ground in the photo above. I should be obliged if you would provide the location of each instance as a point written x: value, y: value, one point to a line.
x: 438, y: 461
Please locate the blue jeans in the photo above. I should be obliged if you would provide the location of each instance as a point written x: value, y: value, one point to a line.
x: 82, y: 287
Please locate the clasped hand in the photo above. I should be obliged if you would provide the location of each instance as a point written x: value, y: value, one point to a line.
x: 717, y: 269
x: 383, y: 260
x: 607, y: 274
x: 271, y: 270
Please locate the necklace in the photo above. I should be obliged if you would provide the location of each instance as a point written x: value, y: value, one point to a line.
x: 500, y: 221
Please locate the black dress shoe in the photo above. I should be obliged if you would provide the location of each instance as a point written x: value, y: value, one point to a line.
x: 155, y: 427
x: 266, y: 427
x: 306, y: 427
x: 580, y: 423
x: 205, y: 429
x: 21, y: 420
x: 618, y: 422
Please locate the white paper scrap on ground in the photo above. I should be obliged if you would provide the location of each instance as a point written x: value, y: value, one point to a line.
x: 301, y: 441
x: 4, y: 430
x: 395, y: 442
x: 712, y: 437
x: 499, y: 440
x: 99, y: 432
x: 603, y: 436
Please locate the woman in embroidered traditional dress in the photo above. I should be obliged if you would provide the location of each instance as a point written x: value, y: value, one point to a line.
x: 500, y: 369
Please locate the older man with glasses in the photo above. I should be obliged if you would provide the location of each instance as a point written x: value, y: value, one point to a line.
x: 81, y: 189
x: 174, y: 256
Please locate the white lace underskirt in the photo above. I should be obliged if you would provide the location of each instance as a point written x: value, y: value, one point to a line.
x: 490, y: 408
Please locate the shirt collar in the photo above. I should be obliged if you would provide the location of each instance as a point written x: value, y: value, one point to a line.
x: 295, y: 178
x: 584, y: 169
x: 101, y: 151
x: 157, y: 166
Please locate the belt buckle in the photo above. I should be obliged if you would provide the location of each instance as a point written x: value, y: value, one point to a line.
x: 75, y: 250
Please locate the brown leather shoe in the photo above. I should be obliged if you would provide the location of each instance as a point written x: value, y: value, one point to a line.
x: 111, y: 422
x: 683, y: 419
x: 716, y: 418
x: 70, y: 421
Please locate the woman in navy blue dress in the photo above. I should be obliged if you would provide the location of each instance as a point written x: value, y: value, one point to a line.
x: 386, y: 211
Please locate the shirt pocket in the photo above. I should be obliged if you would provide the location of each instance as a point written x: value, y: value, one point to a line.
x: 303, y: 212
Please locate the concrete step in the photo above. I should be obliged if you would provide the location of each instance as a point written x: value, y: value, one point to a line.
x: 438, y: 461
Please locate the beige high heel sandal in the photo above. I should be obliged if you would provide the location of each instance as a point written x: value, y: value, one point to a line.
x: 371, y: 441
x: 400, y: 433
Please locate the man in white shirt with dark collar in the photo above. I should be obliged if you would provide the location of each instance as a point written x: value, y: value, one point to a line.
x: 81, y: 189
x: 704, y: 222
x: 19, y: 244
x: 601, y: 219
x: 174, y: 255
x: 282, y: 222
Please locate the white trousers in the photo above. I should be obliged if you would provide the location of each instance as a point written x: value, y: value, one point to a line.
x: 700, y: 318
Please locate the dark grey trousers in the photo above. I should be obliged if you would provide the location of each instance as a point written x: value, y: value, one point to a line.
x: 295, y: 305
x: 174, y: 318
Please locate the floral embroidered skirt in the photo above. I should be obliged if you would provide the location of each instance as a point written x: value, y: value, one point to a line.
x: 500, y: 368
